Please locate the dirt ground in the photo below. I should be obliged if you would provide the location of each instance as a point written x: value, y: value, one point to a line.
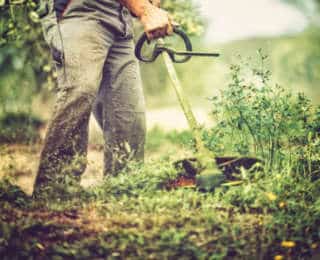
x: 19, y: 162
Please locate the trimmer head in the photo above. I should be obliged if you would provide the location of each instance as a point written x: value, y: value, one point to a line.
x: 209, y: 179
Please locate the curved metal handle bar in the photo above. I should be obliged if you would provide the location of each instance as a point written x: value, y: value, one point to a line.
x: 158, y: 50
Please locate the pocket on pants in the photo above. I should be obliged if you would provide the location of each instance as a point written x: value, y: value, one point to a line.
x: 53, y: 36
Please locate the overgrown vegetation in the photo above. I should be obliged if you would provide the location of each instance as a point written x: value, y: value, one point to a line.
x: 273, y: 214
x: 255, y: 117
x: 19, y: 128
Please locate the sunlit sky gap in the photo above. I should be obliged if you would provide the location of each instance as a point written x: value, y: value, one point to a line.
x: 238, y: 19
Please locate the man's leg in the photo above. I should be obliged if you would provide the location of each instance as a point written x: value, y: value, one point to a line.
x: 120, y: 108
x: 79, y: 48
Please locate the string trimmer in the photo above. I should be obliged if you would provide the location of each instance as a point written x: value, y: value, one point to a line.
x: 208, y: 171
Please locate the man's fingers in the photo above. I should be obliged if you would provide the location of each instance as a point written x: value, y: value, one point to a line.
x: 154, y: 35
x: 158, y: 33
x: 157, y: 23
x: 162, y: 32
x: 169, y: 29
x: 170, y: 25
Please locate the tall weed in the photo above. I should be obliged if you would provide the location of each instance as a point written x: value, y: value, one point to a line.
x: 255, y: 117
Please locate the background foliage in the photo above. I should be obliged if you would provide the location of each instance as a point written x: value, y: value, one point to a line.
x: 26, y: 71
x: 25, y: 67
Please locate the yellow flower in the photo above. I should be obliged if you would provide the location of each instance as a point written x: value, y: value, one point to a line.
x: 271, y: 196
x: 314, y: 245
x: 282, y: 204
x: 288, y: 244
x: 278, y: 257
x: 40, y: 246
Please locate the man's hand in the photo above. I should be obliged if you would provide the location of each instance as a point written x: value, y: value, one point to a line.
x: 156, y: 22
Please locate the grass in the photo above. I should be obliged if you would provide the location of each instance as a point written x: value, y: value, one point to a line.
x: 274, y: 213
x: 134, y: 216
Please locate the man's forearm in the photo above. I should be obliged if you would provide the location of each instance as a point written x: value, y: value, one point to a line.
x: 156, y: 22
x: 137, y: 7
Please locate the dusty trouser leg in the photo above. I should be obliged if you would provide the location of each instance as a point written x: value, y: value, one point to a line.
x: 120, y: 108
x: 85, y: 47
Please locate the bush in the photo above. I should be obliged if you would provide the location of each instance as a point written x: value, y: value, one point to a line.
x: 19, y: 128
x: 254, y: 117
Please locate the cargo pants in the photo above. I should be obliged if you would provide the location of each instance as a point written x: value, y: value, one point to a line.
x: 97, y: 72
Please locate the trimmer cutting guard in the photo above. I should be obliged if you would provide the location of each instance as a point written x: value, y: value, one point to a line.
x: 230, y: 168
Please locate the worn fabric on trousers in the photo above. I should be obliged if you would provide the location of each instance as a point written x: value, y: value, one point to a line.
x: 92, y: 48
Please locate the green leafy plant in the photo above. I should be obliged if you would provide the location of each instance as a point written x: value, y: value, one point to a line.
x: 24, y: 58
x: 19, y: 128
x: 255, y: 117
x: 186, y: 13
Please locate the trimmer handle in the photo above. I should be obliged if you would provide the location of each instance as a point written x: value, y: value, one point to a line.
x: 158, y: 50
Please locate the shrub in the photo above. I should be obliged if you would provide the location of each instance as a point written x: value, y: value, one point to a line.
x: 19, y: 128
x: 255, y: 117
